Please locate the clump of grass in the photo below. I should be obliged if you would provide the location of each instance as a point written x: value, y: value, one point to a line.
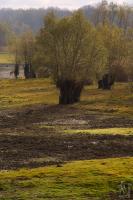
x: 82, y: 180
x: 106, y: 131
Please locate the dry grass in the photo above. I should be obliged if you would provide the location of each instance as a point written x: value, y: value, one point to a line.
x: 119, y: 100
x: 6, y: 58
x: 18, y: 93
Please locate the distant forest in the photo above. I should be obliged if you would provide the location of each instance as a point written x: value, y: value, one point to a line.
x: 19, y: 21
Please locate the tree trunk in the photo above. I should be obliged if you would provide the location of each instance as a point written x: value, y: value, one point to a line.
x: 70, y: 91
x: 16, y: 70
x: 28, y: 71
x: 106, y: 82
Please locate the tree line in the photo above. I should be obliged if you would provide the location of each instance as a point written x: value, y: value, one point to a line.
x: 20, y: 20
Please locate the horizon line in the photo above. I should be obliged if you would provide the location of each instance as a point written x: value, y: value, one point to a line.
x: 58, y: 7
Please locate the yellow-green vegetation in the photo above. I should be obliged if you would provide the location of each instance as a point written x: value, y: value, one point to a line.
x: 106, y: 131
x: 79, y: 180
x: 17, y: 93
x: 119, y: 100
x: 6, y: 58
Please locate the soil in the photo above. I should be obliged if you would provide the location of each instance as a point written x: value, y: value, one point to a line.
x: 33, y: 137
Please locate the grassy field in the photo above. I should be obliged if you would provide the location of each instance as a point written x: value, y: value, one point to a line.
x: 26, y: 92
x: 6, y: 58
x: 33, y: 129
x: 41, y: 91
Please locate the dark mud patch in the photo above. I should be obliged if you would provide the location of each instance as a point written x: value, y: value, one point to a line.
x: 25, y: 151
x: 61, y: 115
x: 24, y: 144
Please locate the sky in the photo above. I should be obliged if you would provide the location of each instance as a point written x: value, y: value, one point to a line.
x: 70, y: 4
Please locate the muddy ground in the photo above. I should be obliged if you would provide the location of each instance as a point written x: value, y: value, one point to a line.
x: 33, y: 137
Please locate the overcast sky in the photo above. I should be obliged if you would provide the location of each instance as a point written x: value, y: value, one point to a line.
x: 70, y: 4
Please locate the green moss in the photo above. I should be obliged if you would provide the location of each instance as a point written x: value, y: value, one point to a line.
x: 77, y: 180
x: 106, y: 131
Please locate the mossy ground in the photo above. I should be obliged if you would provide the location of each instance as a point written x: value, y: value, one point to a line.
x: 82, y: 180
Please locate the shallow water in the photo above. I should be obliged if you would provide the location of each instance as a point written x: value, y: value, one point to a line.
x: 5, y: 71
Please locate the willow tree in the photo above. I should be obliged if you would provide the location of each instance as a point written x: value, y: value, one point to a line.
x: 27, y: 49
x: 70, y: 47
x: 115, y: 41
x: 23, y: 48
x: 14, y: 48
x: 129, y: 63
